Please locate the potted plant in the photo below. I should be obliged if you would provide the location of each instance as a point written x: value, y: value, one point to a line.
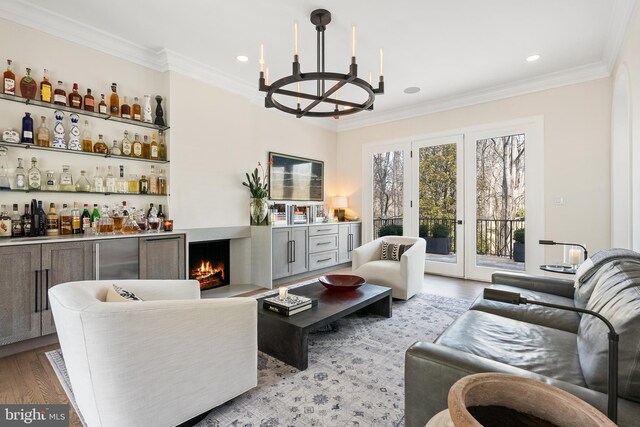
x: 438, y: 242
x: 518, y: 245
x: 258, y: 188
x: 390, y: 230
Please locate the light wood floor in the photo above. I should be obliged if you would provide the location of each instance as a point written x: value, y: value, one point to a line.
x: 28, y: 377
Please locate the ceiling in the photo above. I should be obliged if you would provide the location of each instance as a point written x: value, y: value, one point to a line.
x: 457, y: 52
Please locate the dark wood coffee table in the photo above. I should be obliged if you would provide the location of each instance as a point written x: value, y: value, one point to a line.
x: 286, y: 338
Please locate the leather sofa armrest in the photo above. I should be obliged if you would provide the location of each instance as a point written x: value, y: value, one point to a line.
x: 549, y: 285
x: 431, y: 370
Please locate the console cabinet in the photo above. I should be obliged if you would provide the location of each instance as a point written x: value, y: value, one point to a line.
x: 349, y: 239
x: 289, y: 251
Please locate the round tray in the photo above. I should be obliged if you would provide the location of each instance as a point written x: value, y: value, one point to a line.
x: 341, y: 282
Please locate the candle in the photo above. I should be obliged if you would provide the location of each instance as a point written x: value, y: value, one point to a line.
x: 261, y: 57
x: 353, y: 41
x: 295, y: 38
x: 168, y: 225
x: 381, y: 63
x: 575, y: 256
x: 282, y: 292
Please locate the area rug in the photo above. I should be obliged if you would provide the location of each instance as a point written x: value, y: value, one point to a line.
x: 355, y: 375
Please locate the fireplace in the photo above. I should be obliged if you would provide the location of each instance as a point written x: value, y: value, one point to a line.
x: 209, y: 263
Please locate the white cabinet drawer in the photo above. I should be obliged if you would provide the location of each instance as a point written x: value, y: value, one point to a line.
x: 323, y: 243
x: 320, y: 230
x: 322, y: 260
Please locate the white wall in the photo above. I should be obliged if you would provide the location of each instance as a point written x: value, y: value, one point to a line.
x: 576, y: 154
x: 215, y: 136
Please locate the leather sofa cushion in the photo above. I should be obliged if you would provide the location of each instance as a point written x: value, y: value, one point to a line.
x: 558, y: 319
x: 540, y: 349
x: 616, y: 296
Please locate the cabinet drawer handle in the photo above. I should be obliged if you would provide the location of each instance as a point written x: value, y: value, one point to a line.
x: 161, y: 238
x: 322, y: 230
x: 323, y: 243
x: 324, y: 259
x: 46, y: 295
x: 37, y: 286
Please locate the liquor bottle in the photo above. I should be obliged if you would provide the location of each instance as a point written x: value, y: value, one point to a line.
x: 125, y: 211
x: 65, y: 220
x: 27, y: 129
x: 85, y: 219
x: 16, y: 222
x: 43, y: 134
x: 102, y: 107
x: 9, y: 83
x: 89, y: 101
x: 153, y: 181
x: 126, y: 145
x: 28, y: 86
x: 152, y: 219
x: 121, y: 183
x: 74, y: 134
x: 87, y: 141
x: 162, y: 183
x: 146, y: 147
x: 144, y: 185
x: 136, y: 147
x: 45, y: 88
x: 151, y: 210
x: 160, y: 217
x: 153, y: 148
x: 110, y: 181
x: 125, y: 109
x: 98, y: 182
x: 20, y: 180
x: 5, y: 222
x: 115, y: 148
x: 82, y: 184
x: 159, y: 112
x: 75, y: 99
x: 133, y: 184
x: 26, y: 220
x: 34, y: 176
x: 146, y: 110
x: 114, y: 101
x: 105, y: 222
x: 58, y: 131
x: 59, y: 95
x: 50, y: 182
x: 162, y: 146
x: 76, y: 220
x: 118, y: 218
x: 95, y: 216
x: 136, y: 110
x: 66, y: 180
x: 100, y: 146
x: 53, y: 221
x: 42, y: 220
x: 4, y: 169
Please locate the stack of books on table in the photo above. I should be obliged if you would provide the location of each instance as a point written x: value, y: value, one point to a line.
x: 292, y: 304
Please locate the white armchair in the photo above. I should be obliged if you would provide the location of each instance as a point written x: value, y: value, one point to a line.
x: 158, y: 362
x: 405, y: 278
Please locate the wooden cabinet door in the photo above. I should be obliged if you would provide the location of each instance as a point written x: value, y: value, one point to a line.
x: 162, y: 257
x: 344, y: 244
x: 299, y: 263
x: 19, y: 293
x: 62, y: 262
x: 281, y: 254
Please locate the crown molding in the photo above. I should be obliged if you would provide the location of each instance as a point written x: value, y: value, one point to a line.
x: 623, y: 11
x: 522, y: 87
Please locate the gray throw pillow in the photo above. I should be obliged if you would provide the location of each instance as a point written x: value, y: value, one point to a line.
x: 393, y: 251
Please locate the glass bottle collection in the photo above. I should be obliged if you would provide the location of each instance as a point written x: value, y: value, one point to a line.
x: 72, y: 219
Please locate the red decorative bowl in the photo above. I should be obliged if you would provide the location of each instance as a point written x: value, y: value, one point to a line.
x: 341, y: 282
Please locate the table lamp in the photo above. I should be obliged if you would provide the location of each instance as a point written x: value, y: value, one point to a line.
x: 339, y: 205
x: 612, y: 382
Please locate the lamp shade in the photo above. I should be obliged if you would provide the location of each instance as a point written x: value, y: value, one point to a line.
x: 339, y: 202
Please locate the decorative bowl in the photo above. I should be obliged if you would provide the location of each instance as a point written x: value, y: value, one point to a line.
x: 341, y: 282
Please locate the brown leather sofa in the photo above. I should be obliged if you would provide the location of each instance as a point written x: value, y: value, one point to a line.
x: 561, y: 348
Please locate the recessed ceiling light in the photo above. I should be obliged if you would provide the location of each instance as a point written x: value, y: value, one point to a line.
x: 412, y: 89
x: 242, y: 58
x: 533, y: 58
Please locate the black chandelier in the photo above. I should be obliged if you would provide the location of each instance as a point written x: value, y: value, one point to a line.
x: 320, y: 18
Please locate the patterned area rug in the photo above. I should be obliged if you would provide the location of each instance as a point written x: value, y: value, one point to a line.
x: 355, y: 375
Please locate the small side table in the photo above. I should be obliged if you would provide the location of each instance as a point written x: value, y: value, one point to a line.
x: 554, y: 268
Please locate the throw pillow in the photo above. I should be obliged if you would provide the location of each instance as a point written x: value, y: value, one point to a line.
x: 393, y: 251
x: 117, y: 294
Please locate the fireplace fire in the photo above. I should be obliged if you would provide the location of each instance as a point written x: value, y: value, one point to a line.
x: 209, y: 263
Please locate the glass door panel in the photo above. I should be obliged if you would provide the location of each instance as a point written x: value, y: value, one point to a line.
x: 388, y: 193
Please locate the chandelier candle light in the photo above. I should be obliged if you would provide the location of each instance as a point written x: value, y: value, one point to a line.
x: 320, y: 18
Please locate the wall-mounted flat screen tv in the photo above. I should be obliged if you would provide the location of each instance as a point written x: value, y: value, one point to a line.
x: 295, y: 178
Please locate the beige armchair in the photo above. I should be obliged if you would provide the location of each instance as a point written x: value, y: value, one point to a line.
x: 157, y: 362
x: 405, y: 277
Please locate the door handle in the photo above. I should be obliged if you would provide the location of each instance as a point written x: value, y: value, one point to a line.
x: 46, y: 290
x: 37, y: 286
x: 350, y: 243
x: 288, y: 251
x: 293, y: 252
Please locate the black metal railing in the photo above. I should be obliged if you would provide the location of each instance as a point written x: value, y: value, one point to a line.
x: 493, y: 236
